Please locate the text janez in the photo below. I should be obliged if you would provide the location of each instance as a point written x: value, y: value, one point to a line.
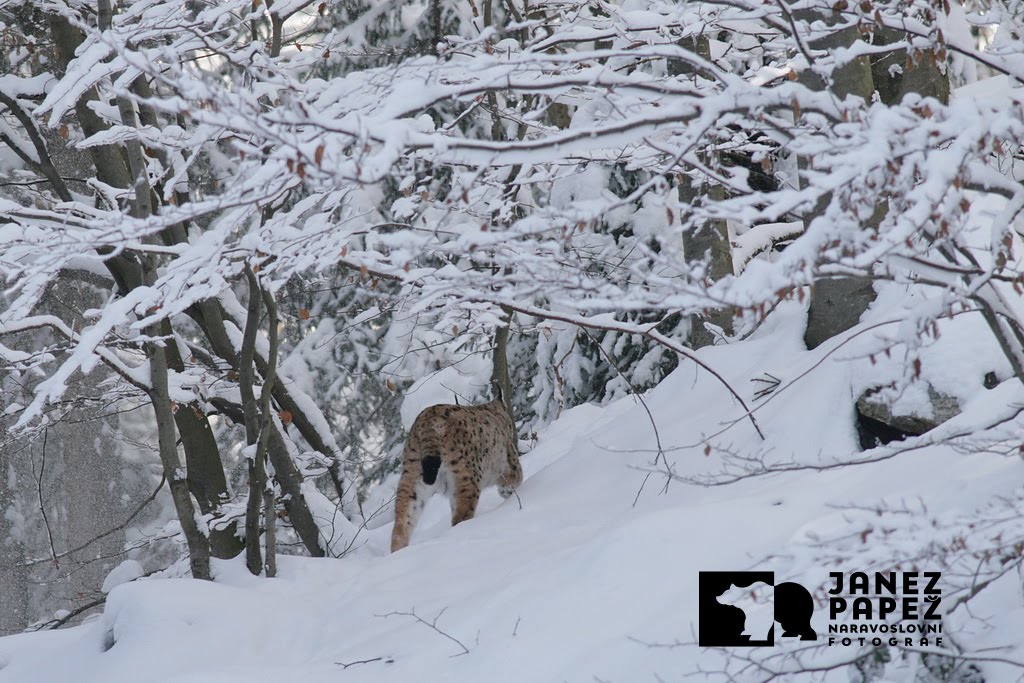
x: 908, y: 599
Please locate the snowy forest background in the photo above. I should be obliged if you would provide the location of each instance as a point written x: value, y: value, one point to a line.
x: 243, y: 243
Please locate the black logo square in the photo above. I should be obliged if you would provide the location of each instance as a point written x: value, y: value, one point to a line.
x: 723, y: 625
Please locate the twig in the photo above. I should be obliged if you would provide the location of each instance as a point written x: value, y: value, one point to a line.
x: 770, y: 384
x: 660, y: 455
x: 432, y: 625
x: 39, y: 495
x: 882, y: 453
x: 44, y: 164
x: 345, y: 665
x: 796, y: 33
x: 111, y: 530
x: 57, y: 623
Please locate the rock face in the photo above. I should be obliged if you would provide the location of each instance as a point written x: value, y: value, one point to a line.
x: 871, y: 405
x: 836, y: 306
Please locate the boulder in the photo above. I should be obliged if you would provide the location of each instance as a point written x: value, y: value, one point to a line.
x: 943, y: 407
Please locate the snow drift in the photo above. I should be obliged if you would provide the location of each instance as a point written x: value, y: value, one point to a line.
x: 593, y: 573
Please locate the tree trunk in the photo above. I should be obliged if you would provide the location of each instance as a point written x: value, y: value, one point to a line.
x: 501, y: 384
x: 837, y: 304
x: 205, y: 469
x: 708, y: 242
x: 290, y: 480
x: 246, y: 386
x: 110, y: 163
x: 266, y: 423
x: 198, y: 547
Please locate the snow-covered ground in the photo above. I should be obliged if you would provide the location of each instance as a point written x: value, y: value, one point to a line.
x: 595, y: 576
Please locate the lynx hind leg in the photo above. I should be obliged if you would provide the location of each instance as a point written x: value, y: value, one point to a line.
x: 512, y: 477
x: 465, y: 498
x: 411, y: 496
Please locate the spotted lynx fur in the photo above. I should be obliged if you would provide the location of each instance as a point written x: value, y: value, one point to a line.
x: 457, y: 450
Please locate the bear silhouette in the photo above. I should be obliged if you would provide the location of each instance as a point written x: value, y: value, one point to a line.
x: 794, y: 608
x: 756, y: 603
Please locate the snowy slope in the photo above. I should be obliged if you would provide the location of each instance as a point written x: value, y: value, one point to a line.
x: 580, y: 583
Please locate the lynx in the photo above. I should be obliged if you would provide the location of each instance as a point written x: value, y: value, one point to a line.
x: 458, y: 450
